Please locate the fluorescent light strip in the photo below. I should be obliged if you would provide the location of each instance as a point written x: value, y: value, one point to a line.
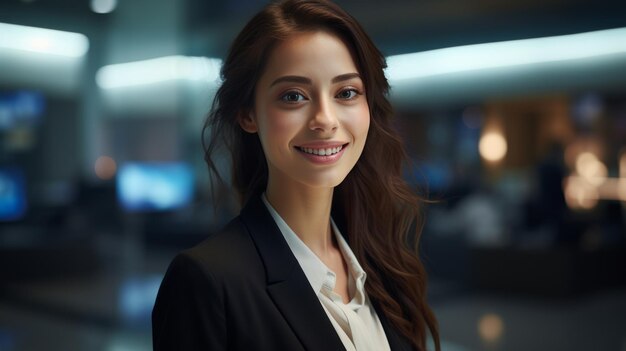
x: 506, y: 54
x: 158, y: 70
x: 43, y: 41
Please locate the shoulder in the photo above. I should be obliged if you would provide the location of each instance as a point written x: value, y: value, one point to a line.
x: 226, y: 254
x: 205, y: 274
x: 196, y: 294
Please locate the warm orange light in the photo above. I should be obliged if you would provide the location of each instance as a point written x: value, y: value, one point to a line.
x: 490, y: 327
x: 613, y: 189
x: 590, y: 182
x: 579, y: 193
x: 105, y: 167
x: 592, y: 169
x: 492, y: 146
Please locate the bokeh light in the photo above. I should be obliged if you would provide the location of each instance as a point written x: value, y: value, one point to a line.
x: 580, y: 194
x: 492, y: 146
x: 490, y: 327
x: 592, y: 169
x: 473, y: 117
x: 103, y: 6
x: 105, y: 167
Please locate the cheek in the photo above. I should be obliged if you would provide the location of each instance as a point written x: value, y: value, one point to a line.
x: 360, y: 121
x: 276, y: 124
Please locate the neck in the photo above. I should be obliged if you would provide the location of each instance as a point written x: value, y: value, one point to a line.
x: 307, y: 212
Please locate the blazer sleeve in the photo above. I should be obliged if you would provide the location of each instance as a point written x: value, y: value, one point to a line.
x: 189, y: 310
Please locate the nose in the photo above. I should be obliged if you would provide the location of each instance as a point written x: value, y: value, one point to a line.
x: 324, y: 118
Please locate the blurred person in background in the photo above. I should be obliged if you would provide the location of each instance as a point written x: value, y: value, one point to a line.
x: 318, y: 258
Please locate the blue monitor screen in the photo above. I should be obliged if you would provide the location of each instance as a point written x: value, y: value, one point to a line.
x: 12, y: 194
x: 155, y: 186
x: 136, y: 298
x: 20, y: 109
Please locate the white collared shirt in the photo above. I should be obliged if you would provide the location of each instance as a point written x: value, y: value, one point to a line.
x: 356, y: 322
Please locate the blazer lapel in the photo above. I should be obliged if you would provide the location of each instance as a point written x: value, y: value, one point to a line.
x: 286, y: 282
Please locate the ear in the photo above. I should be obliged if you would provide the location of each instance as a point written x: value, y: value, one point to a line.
x: 247, y: 121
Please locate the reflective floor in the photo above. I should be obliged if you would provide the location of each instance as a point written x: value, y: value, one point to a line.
x: 111, y: 313
x: 495, y: 322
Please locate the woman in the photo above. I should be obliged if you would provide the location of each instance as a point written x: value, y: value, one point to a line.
x: 303, y: 111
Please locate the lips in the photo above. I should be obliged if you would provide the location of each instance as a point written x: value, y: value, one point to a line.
x: 322, y: 153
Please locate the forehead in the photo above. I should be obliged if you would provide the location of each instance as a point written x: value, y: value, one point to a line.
x: 317, y: 55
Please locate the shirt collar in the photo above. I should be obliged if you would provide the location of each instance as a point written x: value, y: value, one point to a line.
x: 316, y: 271
x: 357, y: 273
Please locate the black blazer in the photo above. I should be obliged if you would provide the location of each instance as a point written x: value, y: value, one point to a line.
x: 243, y: 289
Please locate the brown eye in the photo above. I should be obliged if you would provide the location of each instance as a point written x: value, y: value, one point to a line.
x: 347, y: 94
x: 292, y: 96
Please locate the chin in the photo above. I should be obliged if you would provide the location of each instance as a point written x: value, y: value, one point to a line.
x: 325, y: 182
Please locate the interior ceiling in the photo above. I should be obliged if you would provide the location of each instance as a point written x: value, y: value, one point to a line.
x: 401, y: 26
x: 397, y: 26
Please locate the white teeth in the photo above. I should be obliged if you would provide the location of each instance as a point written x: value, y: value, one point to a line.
x: 322, y: 152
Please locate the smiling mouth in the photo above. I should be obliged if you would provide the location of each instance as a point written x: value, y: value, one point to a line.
x: 322, y: 151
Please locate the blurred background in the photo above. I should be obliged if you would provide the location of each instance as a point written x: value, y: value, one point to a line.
x: 513, y: 112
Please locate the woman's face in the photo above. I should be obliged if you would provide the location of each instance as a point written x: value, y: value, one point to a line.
x: 310, y: 111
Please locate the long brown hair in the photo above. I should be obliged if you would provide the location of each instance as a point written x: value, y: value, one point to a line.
x: 378, y: 208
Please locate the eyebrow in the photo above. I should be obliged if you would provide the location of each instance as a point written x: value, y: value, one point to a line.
x: 305, y: 80
x: 343, y: 77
